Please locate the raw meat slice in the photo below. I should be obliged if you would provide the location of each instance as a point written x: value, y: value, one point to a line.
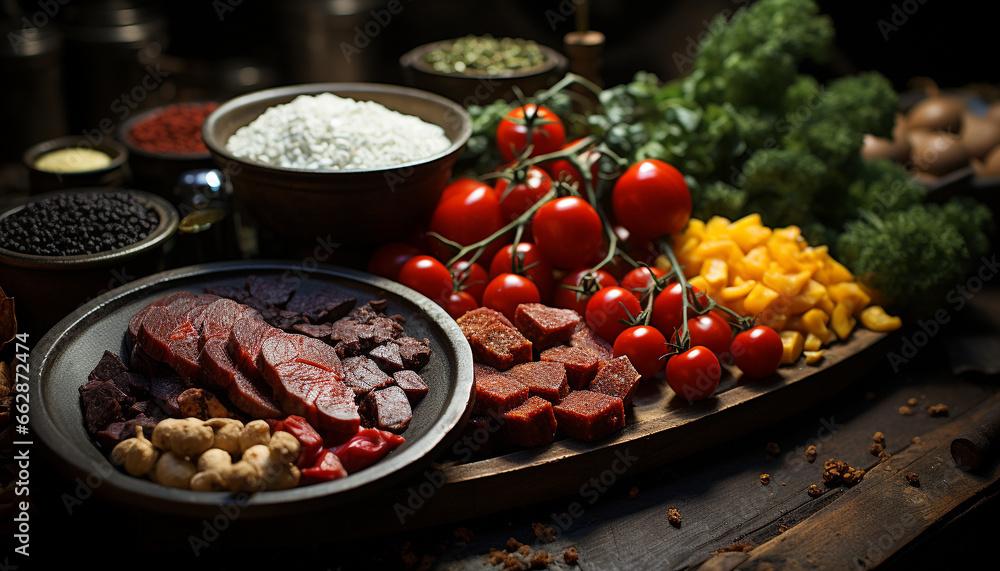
x: 244, y: 343
x: 387, y: 409
x: 171, y: 339
x: 499, y: 346
x: 412, y: 384
x: 545, y: 326
x: 544, y: 379
x: 580, y: 364
x: 219, y: 370
x: 588, y: 415
x: 218, y: 317
x: 618, y: 378
x: 321, y: 331
x: 531, y: 424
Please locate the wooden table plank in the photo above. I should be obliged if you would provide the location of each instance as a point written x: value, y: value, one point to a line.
x: 883, y: 512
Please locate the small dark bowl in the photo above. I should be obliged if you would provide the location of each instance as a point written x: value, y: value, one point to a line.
x: 113, y: 175
x: 480, y: 89
x: 157, y: 171
x: 47, y: 288
x: 357, y: 207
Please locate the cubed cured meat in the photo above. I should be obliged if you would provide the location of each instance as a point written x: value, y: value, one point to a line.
x: 412, y: 384
x: 545, y: 326
x: 416, y: 354
x: 387, y: 357
x: 363, y: 375
x: 387, y: 409
x: 588, y: 415
x: 580, y: 364
x: 270, y: 290
x: 531, y: 424
x: 500, y: 347
x: 585, y: 338
x: 496, y: 392
x: 618, y: 378
x: 478, y: 318
x: 543, y: 379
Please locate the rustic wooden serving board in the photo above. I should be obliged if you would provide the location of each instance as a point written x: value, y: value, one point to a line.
x: 659, y: 428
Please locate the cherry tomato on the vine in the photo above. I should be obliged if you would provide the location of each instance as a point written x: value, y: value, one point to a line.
x: 639, y: 279
x: 457, y: 303
x: 460, y: 187
x: 757, y: 351
x: 651, y: 199
x: 470, y: 277
x: 467, y: 217
x: 606, y: 307
x: 568, y: 231
x: 548, y: 134
x: 389, y: 258
x: 506, y: 291
x: 709, y: 330
x: 428, y: 276
x: 577, y: 301
x: 694, y: 374
x: 563, y: 169
x: 667, y: 309
x: 515, y: 199
x: 645, y: 347
x: 538, y: 268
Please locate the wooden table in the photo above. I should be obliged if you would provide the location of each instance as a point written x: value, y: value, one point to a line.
x: 619, y: 519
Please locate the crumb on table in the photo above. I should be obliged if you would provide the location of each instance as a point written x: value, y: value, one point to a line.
x: 938, y: 410
x: 773, y: 449
x: 879, y: 437
x: 912, y: 479
x: 876, y: 448
x: 543, y: 532
x: 811, y: 453
x: 570, y: 556
x: 815, y: 491
x: 633, y: 493
x: 674, y: 517
x: 765, y: 479
x: 540, y: 559
x: 912, y: 401
x: 905, y: 410
x: 737, y: 547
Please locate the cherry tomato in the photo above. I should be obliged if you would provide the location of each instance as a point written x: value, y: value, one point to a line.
x: 606, y: 307
x: 466, y: 218
x: 645, y: 347
x: 667, y: 309
x: 694, y: 374
x: 639, y: 279
x: 709, y: 330
x: 470, y: 277
x: 651, y: 199
x: 547, y: 132
x: 539, y: 269
x: 577, y: 301
x: 458, y: 303
x: 563, y: 169
x: 507, y: 291
x: 568, y: 231
x: 757, y: 351
x: 428, y: 276
x: 516, y: 199
x: 389, y: 258
x: 460, y: 187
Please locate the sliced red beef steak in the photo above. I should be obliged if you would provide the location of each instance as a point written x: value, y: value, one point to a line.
x: 219, y: 371
x: 306, y: 377
x: 245, y: 340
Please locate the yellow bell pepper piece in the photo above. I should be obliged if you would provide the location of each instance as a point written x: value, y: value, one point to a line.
x: 812, y: 342
x: 748, y: 232
x: 813, y: 357
x: 759, y: 299
x: 716, y: 274
x: 737, y: 290
x: 717, y: 227
x: 815, y: 321
x: 789, y: 284
x: 842, y: 321
x: 755, y: 263
x: 875, y: 318
x: 808, y: 298
x: 791, y: 343
x: 849, y: 294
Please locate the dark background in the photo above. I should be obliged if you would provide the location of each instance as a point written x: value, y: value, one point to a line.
x: 217, y: 49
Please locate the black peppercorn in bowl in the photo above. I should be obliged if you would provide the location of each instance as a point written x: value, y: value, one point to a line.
x: 60, y: 249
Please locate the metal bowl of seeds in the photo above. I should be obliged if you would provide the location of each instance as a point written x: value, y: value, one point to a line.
x: 475, y: 70
x: 59, y: 249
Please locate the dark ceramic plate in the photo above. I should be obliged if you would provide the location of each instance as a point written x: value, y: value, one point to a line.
x: 63, y: 358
